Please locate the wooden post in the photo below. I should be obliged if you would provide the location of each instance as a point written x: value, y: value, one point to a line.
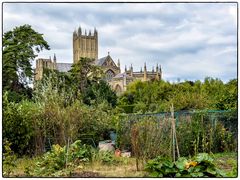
x: 174, y: 135
x: 172, y: 132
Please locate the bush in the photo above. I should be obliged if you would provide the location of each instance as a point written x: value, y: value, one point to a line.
x: 26, y: 118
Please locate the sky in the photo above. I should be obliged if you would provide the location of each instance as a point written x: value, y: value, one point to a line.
x: 190, y: 41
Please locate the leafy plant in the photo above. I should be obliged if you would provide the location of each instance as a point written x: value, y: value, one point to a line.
x: 161, y: 167
x: 104, y: 157
x: 8, y: 159
x: 78, y: 152
x: 199, y: 166
x: 61, y: 157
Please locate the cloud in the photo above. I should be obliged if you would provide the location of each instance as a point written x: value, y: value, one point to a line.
x: 189, y: 40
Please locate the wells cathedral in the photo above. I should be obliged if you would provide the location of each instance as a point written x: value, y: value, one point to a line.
x: 86, y: 45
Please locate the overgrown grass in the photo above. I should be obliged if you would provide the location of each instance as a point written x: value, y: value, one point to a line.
x: 227, y: 162
x: 24, y: 165
x: 122, y: 167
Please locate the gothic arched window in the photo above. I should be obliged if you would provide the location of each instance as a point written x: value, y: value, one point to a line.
x: 118, y: 89
x: 109, y: 74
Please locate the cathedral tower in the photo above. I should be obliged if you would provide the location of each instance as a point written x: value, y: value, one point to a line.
x: 85, y: 45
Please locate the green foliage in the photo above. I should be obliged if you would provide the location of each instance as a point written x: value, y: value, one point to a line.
x: 19, y: 45
x: 157, y: 96
x: 84, y: 70
x: 8, y: 159
x: 161, y: 167
x: 54, y: 87
x: 148, y: 136
x: 78, y: 152
x: 98, y: 92
x: 104, y: 157
x: 228, y: 99
x: 204, y: 133
x: 54, y: 162
x: 234, y: 171
x: 25, y: 117
x: 55, y: 116
x: 199, y: 166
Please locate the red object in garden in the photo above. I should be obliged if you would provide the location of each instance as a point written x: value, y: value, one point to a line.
x: 117, y: 153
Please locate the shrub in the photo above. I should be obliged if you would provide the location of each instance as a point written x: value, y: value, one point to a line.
x: 26, y: 118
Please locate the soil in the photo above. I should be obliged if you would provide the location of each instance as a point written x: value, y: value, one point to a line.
x: 222, y: 164
x: 86, y: 174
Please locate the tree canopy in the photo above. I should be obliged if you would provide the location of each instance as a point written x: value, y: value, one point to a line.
x: 20, y: 48
x: 157, y: 96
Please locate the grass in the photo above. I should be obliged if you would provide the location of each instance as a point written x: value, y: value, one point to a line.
x: 22, y: 165
x: 227, y: 162
x: 125, y: 167
x: 121, y: 167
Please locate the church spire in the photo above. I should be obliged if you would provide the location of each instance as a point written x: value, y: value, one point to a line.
x: 157, y: 73
x: 95, y: 31
x: 145, y: 72
x: 118, y: 63
x: 54, y: 58
x: 131, y: 70
x: 125, y: 68
x: 160, y: 72
x: 79, y: 31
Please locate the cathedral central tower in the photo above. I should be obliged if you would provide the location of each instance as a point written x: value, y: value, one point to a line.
x: 85, y: 45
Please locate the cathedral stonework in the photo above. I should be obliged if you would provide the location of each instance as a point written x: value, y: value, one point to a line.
x: 86, y: 45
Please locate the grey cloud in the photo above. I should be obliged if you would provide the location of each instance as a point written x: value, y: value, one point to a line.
x: 190, y: 40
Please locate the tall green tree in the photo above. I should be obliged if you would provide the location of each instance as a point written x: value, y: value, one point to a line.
x: 99, y: 91
x: 84, y: 70
x: 20, y: 47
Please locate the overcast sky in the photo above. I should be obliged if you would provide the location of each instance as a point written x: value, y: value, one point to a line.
x: 189, y: 40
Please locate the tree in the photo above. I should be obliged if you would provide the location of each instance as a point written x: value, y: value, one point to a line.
x: 84, y: 70
x: 99, y: 91
x: 20, y: 47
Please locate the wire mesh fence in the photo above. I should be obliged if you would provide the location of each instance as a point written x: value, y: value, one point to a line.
x: 149, y: 135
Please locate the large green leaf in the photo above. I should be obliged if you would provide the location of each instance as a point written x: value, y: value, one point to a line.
x: 156, y: 174
x: 211, y: 170
x: 197, y: 174
x: 203, y: 157
x: 180, y: 163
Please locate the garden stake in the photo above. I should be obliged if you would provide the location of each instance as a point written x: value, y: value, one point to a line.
x: 174, y: 135
x: 172, y: 132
